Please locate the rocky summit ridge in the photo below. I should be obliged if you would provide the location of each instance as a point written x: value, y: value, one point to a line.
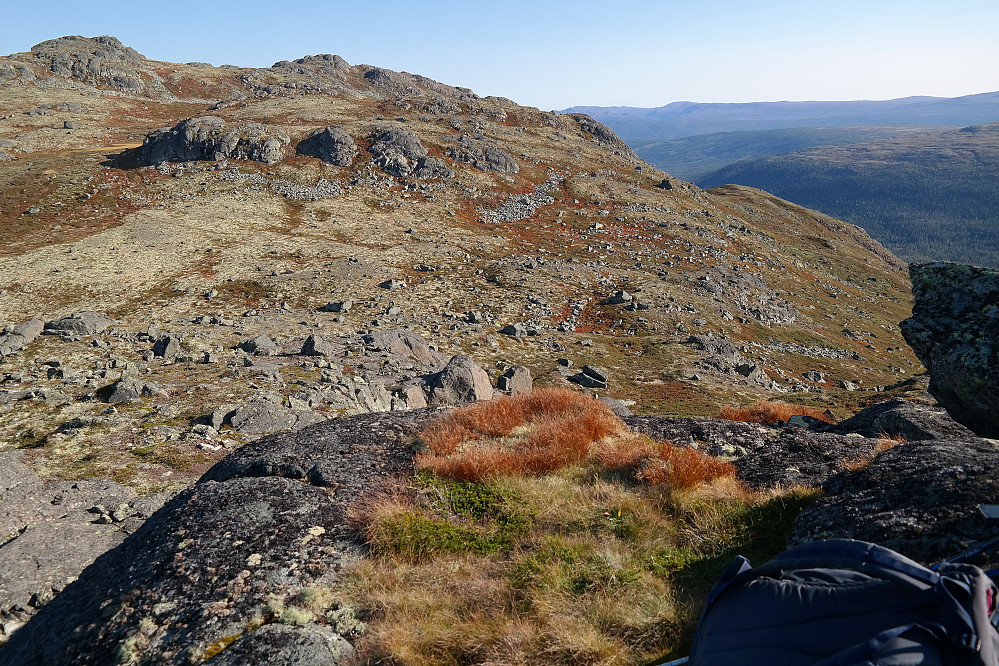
x: 201, y: 257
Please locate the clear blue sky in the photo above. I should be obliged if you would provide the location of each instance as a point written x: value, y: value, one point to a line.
x: 553, y: 54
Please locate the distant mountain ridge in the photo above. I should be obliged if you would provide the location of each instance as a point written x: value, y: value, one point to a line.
x: 679, y: 119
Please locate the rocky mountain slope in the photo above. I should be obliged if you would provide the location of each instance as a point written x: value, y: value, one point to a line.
x: 198, y: 255
x: 215, y: 575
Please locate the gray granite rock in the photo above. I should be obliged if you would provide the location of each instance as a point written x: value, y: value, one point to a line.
x: 210, y: 138
x: 954, y: 330
x: 330, y: 144
x: 462, y: 380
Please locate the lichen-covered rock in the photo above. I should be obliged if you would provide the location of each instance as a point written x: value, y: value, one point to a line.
x: 901, y: 418
x: 397, y: 150
x: 918, y: 498
x: 95, y: 60
x: 954, y: 329
x: 51, y: 530
x: 128, y: 389
x: 330, y: 144
x: 209, y: 138
x: 406, y: 344
x: 217, y: 559
x: 483, y: 155
x: 20, y: 336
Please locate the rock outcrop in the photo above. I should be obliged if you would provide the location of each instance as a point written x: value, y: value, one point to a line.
x: 918, y: 498
x: 210, y: 138
x: 227, y: 558
x: 954, y: 330
x: 95, y: 60
x: 330, y: 144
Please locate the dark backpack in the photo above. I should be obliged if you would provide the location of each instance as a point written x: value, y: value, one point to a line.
x: 847, y: 603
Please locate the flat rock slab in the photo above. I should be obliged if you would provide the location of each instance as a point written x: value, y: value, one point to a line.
x: 50, y: 531
x: 918, y: 498
x: 261, y: 525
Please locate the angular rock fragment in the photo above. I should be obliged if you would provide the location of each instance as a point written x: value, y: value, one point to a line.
x: 516, y: 380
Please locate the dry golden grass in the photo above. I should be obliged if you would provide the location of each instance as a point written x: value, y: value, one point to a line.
x: 681, y: 468
x: 541, y: 530
x: 533, y: 433
x: 770, y: 412
x: 884, y: 443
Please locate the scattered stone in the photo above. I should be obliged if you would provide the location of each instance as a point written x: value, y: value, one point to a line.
x: 847, y: 385
x: 618, y: 298
x: 516, y: 380
x: 518, y: 330
x: 392, y: 285
x: 340, y: 306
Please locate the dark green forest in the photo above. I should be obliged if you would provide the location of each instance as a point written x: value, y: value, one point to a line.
x: 929, y: 196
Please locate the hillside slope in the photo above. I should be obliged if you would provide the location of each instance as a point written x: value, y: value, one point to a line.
x: 693, y: 157
x: 927, y: 196
x: 253, y: 241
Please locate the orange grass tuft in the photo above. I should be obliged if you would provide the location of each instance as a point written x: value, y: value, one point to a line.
x: 478, y: 442
x: 680, y: 468
x: 770, y: 412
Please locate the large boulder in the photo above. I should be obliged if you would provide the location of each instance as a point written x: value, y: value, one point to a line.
x: 404, y: 343
x: 954, y: 330
x: 330, y: 144
x: 79, y: 323
x: 210, y: 138
x: 903, y: 419
x: 462, y: 380
x: 20, y: 336
x: 483, y: 155
x: 397, y: 150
